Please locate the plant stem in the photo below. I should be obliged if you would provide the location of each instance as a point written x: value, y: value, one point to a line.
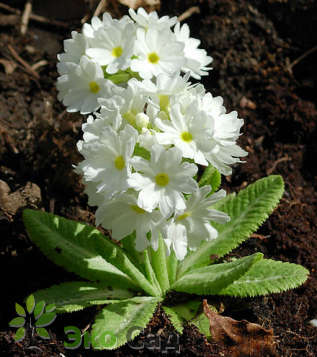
x: 159, y: 264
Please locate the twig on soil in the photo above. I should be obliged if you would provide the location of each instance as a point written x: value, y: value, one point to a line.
x: 39, y: 64
x: 26, y: 17
x: 100, y: 7
x: 188, y: 13
x: 24, y: 64
x: 285, y: 158
x: 34, y: 17
x: 300, y: 58
x: 259, y: 236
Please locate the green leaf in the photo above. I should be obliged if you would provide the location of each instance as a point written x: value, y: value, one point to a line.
x: 203, y: 324
x: 30, y: 303
x: 248, y: 210
x: 74, y: 296
x: 39, y: 308
x: 50, y: 308
x: 121, y: 322
x: 187, y: 310
x: 128, y: 245
x: 211, y: 279
x: 172, y: 264
x: 46, y: 319
x: 19, y: 334
x: 17, y: 322
x: 20, y: 310
x: 159, y: 264
x: 76, y: 247
x: 42, y: 332
x: 212, y: 177
x: 265, y: 277
x: 149, y: 272
x: 175, y: 319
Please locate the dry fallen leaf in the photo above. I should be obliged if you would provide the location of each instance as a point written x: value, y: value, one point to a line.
x: 241, y: 338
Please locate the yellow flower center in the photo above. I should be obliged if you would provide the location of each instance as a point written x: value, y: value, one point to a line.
x: 94, y: 87
x: 186, y: 136
x: 117, y: 51
x: 162, y: 179
x: 119, y: 163
x: 137, y: 209
x: 183, y: 216
x: 164, y: 102
x: 153, y: 57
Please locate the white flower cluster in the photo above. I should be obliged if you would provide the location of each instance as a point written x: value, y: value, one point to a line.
x: 111, y: 50
x: 142, y: 147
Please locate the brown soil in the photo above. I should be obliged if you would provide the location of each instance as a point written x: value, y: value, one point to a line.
x: 254, y: 44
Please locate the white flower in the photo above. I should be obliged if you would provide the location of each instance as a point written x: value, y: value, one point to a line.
x: 196, y: 217
x: 196, y: 58
x: 106, y: 22
x: 164, y: 84
x: 80, y: 88
x: 151, y: 20
x: 163, y: 181
x: 147, y: 138
x: 225, y: 151
x: 191, y: 132
x: 107, y: 160
x: 176, y: 240
x: 123, y: 216
x: 74, y: 48
x: 160, y: 92
x: 130, y: 103
x: 90, y: 29
x: 113, y: 47
x: 157, y: 52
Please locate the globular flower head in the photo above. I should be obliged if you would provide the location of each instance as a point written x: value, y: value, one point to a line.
x: 149, y: 130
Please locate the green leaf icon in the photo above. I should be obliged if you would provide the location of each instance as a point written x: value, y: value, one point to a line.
x: 17, y: 322
x: 20, y: 334
x: 46, y: 319
x: 30, y: 304
x: 19, y: 309
x: 39, y: 309
x: 42, y: 332
x: 50, y: 308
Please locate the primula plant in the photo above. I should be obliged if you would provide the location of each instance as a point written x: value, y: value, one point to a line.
x: 154, y: 147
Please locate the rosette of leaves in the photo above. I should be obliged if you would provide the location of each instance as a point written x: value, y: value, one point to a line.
x: 40, y: 315
x: 130, y: 285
